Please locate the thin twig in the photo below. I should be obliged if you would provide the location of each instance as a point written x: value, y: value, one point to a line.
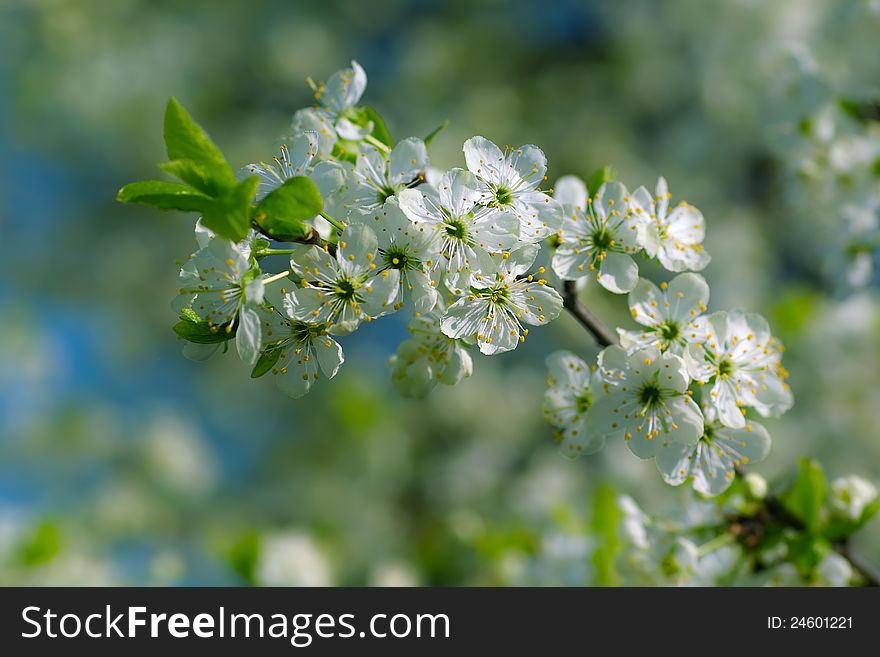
x: 582, y: 314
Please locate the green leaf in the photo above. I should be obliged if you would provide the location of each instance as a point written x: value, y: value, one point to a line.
x: 281, y: 213
x: 806, y: 497
x: 243, y: 555
x: 186, y: 140
x: 600, y: 176
x: 436, y: 131
x: 229, y: 215
x: 41, y: 546
x: 380, y: 130
x: 606, y: 520
x: 195, y: 175
x: 164, y: 195
x: 201, y: 332
x: 266, y: 362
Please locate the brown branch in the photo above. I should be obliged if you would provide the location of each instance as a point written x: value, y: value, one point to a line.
x: 587, y: 319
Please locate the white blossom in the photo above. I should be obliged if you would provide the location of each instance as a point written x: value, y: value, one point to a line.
x: 377, y: 177
x: 429, y: 357
x: 711, y: 463
x: 219, y: 284
x: 668, y: 313
x: 736, y: 353
x: 674, y: 237
x: 573, y: 388
x: 509, y: 182
x: 343, y: 290
x: 334, y: 100
x: 497, y: 305
x: 470, y: 235
x: 303, y: 349
x: 646, y: 402
x: 851, y: 495
x: 598, y: 235
x: 410, y: 249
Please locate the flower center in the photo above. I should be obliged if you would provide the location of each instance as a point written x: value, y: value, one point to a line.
x: 499, y: 294
x: 708, y: 433
x: 584, y: 401
x: 602, y: 239
x: 669, y: 330
x: 503, y: 196
x: 456, y: 228
x: 725, y: 367
x: 650, y: 395
x: 385, y: 192
x: 345, y: 289
x: 397, y: 258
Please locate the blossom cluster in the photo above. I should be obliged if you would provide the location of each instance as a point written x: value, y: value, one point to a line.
x: 681, y: 388
x: 368, y: 228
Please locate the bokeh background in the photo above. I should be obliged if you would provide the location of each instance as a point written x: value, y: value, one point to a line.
x: 123, y: 463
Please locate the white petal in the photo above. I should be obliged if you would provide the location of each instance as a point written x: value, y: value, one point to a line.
x: 618, y: 273
x: 578, y: 440
x: 686, y: 224
x: 688, y: 296
x: 674, y: 462
x: 566, y: 369
x: 247, y: 336
x: 330, y: 356
x: 408, y: 159
x: 317, y: 121
x: 501, y: 333
x: 497, y: 231
x: 457, y: 366
x: 380, y: 293
x: 345, y: 88
x: 688, y: 420
x: 458, y: 191
x: 539, y: 304
x: 484, y: 159
x: 571, y: 190
x: 357, y: 249
x: 529, y: 162
x: 464, y: 318
x: 723, y: 398
x: 647, y: 302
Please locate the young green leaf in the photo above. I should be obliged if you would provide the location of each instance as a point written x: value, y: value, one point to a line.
x: 282, y: 212
x: 201, y: 332
x: 806, y: 497
x: 194, y: 175
x: 229, y: 215
x: 436, y: 131
x: 266, y: 362
x: 600, y: 176
x: 186, y: 140
x: 380, y: 130
x: 164, y: 195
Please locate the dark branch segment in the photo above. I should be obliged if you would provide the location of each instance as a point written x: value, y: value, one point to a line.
x: 582, y: 314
